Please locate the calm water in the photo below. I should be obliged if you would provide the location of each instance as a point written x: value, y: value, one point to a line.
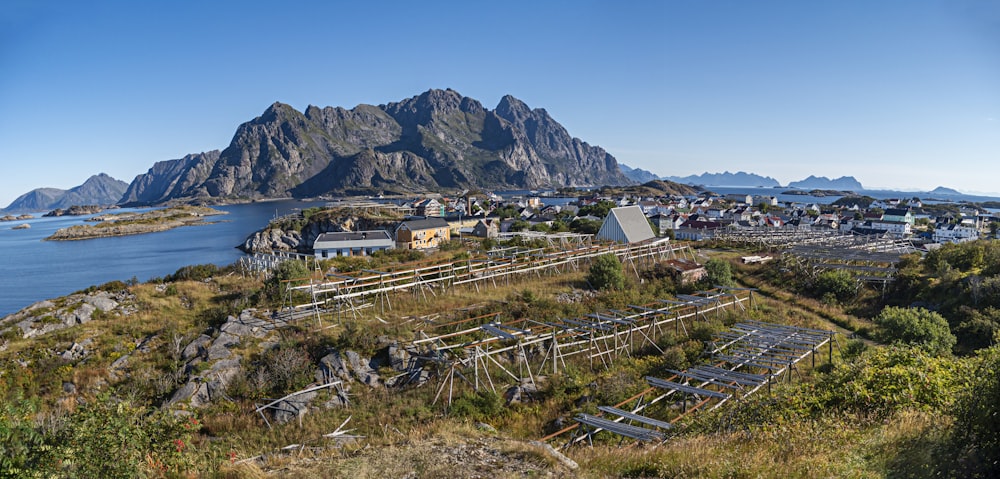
x: 32, y: 270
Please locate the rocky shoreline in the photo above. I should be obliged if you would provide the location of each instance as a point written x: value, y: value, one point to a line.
x: 124, y: 224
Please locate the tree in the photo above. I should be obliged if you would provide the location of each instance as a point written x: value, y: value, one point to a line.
x: 719, y: 273
x: 914, y: 326
x: 599, y: 209
x: 582, y: 226
x: 606, y: 272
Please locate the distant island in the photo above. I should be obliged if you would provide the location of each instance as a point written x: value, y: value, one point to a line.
x: 125, y: 224
x: 739, y: 178
x: 742, y: 179
x: 848, y: 183
x: 941, y: 190
x: 818, y: 193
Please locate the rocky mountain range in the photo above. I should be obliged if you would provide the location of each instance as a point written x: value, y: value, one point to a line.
x: 99, y: 189
x: 743, y: 179
x: 638, y: 174
x: 434, y: 141
x: 844, y: 183
x: 726, y: 179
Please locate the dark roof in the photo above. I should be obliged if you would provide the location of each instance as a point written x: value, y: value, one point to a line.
x: 897, y: 211
x: 354, y: 236
x: 424, y: 224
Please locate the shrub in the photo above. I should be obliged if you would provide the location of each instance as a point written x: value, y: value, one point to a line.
x: 883, y: 381
x: 198, y: 272
x: 118, y: 438
x: 606, y: 273
x: 719, y: 273
x: 287, y: 271
x: 835, y: 283
x: 22, y: 447
x: 976, y: 432
x: 916, y: 327
x: 482, y: 405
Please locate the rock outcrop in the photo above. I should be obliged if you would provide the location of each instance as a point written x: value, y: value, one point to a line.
x: 46, y: 316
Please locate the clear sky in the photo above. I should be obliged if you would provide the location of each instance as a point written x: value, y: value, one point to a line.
x: 902, y: 94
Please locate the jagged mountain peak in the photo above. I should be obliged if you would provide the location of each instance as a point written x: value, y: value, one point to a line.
x: 437, y: 139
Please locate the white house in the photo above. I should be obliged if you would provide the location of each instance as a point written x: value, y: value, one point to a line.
x: 352, y: 243
x: 955, y: 234
x: 898, y: 229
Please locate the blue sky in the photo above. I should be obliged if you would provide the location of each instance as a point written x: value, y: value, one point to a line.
x: 901, y: 94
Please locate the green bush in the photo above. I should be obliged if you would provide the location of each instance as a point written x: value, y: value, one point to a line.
x: 482, y: 405
x: 198, y: 272
x: 117, y: 438
x: 293, y: 272
x: 836, y: 283
x: 719, y: 273
x: 606, y: 273
x: 976, y: 433
x: 916, y: 327
x: 883, y: 381
x: 23, y: 449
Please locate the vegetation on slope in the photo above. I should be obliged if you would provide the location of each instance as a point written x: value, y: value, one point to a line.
x: 912, y: 409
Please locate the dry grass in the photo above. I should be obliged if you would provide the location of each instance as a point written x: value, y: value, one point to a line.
x: 809, y: 449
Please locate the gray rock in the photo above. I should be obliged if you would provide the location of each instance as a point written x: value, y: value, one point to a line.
x: 75, y: 352
x: 201, y: 395
x: 195, y: 348
x: 222, y: 373
x: 184, y: 393
x: 80, y: 315
x: 69, y: 387
x: 293, y: 407
x: 361, y: 368
x: 246, y: 325
x: 332, y: 366
x: 220, y: 347
x: 101, y: 300
x: 120, y: 362
x: 399, y: 358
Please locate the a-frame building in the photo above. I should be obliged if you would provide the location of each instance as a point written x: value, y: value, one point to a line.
x: 626, y: 225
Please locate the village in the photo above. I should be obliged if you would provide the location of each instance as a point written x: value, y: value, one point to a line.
x: 432, y: 221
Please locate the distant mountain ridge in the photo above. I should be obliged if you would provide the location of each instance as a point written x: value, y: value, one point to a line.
x: 743, y: 179
x: 739, y: 178
x: 99, y: 189
x: 436, y: 140
x: 844, y: 183
x: 638, y: 175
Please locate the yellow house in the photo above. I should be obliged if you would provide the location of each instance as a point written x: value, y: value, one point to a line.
x: 422, y: 234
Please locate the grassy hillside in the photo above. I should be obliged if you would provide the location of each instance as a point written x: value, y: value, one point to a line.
x: 95, y: 397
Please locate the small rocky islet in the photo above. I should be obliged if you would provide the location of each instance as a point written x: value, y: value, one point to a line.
x: 124, y: 224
